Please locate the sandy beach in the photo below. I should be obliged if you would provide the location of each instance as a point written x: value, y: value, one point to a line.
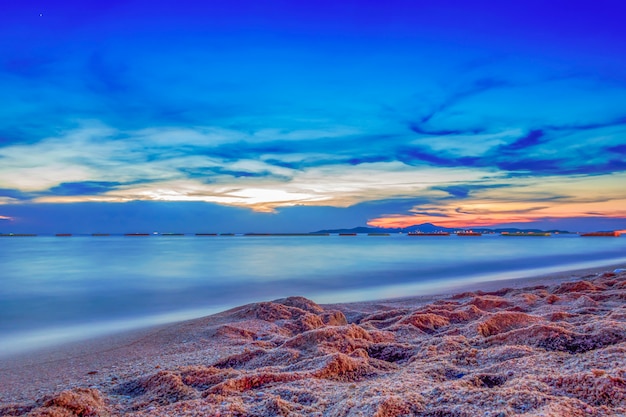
x: 544, y: 346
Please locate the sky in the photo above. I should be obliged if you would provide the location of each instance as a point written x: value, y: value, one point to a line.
x: 290, y: 116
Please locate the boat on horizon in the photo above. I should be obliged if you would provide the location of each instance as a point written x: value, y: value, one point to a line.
x: 468, y: 233
x: 17, y: 235
x: 526, y: 234
x: 287, y: 234
x: 602, y: 234
x: 428, y: 234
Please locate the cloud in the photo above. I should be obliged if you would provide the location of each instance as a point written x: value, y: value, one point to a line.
x: 531, y: 139
x: 463, y: 191
x: 427, y: 213
x: 619, y: 149
x: 619, y: 121
x: 545, y: 151
x: 482, y: 211
x: 416, y: 155
x: 478, y: 86
x: 335, y: 185
x: 521, y: 199
x: 417, y: 128
x: 270, y: 169
x: 589, y: 223
x: 98, y: 155
x: 534, y: 166
x: 451, y: 155
x: 367, y: 160
x: 13, y: 195
x: 260, y: 170
x: 390, y: 110
x: 182, y: 217
x: 467, y: 145
x: 82, y: 188
x: 457, y: 191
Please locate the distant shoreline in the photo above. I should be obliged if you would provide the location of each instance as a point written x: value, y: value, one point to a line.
x: 424, y: 228
x: 312, y: 234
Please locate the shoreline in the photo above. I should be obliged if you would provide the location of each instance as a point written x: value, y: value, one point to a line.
x: 105, y: 361
x: 487, y: 286
x: 493, y: 285
x: 76, y: 335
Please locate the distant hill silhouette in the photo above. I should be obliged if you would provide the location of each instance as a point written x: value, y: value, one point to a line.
x: 431, y: 228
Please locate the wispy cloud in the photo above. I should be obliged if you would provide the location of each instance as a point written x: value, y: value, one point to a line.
x: 522, y: 200
x: 475, y: 88
x: 331, y: 185
x: 618, y: 149
x: 533, y: 138
x: 269, y: 169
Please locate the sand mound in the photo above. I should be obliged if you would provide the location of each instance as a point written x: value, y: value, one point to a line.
x: 428, y: 322
x: 490, y: 302
x: 579, y: 286
x: 79, y: 402
x: 597, y: 388
x: 505, y: 321
x: 539, y: 351
x: 162, y: 388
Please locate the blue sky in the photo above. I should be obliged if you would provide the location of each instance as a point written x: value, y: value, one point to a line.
x: 295, y: 116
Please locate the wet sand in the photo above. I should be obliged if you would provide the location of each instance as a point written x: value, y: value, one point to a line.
x: 544, y: 346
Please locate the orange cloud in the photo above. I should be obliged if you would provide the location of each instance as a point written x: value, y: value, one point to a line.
x: 394, y: 221
x: 523, y: 201
x: 480, y: 214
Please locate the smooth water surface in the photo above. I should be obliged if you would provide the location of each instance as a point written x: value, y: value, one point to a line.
x: 54, y: 289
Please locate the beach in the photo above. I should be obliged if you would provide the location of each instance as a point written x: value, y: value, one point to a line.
x: 545, y: 346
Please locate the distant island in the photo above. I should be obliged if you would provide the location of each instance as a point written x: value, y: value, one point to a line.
x: 433, y: 228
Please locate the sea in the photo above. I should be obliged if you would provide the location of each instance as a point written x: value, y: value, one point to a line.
x: 55, y: 290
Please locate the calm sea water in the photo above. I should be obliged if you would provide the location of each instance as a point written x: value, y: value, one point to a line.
x: 56, y: 289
